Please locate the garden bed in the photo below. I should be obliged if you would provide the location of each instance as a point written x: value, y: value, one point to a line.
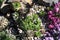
x: 29, y: 20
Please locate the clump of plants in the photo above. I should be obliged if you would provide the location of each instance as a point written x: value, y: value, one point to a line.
x: 4, y: 36
x: 32, y: 22
x: 53, y: 24
x: 54, y: 16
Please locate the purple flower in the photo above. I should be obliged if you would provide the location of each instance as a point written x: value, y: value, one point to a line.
x: 49, y: 38
x: 58, y: 29
x: 47, y: 33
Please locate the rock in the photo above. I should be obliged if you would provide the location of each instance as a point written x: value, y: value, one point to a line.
x: 25, y: 1
x: 50, y: 1
x: 29, y: 1
x: 14, y: 0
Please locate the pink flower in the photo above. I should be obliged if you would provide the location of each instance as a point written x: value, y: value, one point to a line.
x: 57, y: 4
x: 53, y: 18
x: 58, y: 20
x: 50, y: 16
x: 59, y: 24
x: 56, y: 9
x: 51, y: 26
x: 58, y: 28
x: 50, y: 12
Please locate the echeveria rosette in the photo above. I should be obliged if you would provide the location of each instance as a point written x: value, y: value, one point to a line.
x: 16, y: 5
x: 16, y: 16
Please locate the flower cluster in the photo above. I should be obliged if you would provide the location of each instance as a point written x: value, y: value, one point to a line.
x: 54, y: 21
x: 54, y: 16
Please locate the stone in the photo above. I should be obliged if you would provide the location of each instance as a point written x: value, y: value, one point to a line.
x: 14, y: 0
x: 50, y: 1
x: 29, y: 1
x: 25, y: 1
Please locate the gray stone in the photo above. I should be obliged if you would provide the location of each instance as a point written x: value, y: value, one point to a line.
x: 50, y: 1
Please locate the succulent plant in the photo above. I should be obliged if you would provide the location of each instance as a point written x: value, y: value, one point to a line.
x: 4, y: 36
x: 15, y: 16
x: 32, y: 22
x: 3, y: 22
x: 16, y: 5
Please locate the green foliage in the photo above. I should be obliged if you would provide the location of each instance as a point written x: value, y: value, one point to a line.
x: 42, y: 13
x: 16, y: 5
x: 5, y: 36
x: 32, y: 22
x: 50, y: 8
x: 38, y: 34
x: 15, y: 16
